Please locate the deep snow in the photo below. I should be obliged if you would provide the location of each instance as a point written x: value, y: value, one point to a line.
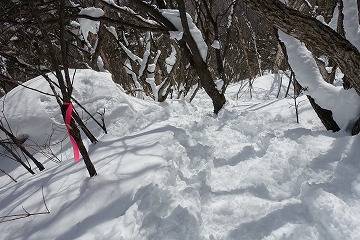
x: 175, y: 171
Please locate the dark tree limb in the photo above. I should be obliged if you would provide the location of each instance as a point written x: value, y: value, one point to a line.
x: 325, y: 116
x: 17, y: 158
x: 22, y: 148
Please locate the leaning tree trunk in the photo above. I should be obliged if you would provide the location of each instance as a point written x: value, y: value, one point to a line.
x: 314, y: 34
x: 325, y: 116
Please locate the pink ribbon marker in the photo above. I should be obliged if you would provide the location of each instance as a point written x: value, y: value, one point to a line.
x: 68, y: 115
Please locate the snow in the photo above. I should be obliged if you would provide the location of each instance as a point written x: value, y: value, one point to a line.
x: 87, y: 25
x: 112, y: 30
x: 173, y: 170
x: 351, y: 22
x: 216, y: 44
x: 171, y: 60
x: 230, y: 17
x: 92, y: 12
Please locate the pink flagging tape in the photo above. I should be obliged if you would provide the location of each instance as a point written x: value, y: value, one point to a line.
x: 68, y: 115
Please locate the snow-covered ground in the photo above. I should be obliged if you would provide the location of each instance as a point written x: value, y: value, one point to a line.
x: 173, y: 171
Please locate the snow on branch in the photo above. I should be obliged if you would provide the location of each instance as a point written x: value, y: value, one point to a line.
x: 87, y: 25
x: 128, y: 10
x: 173, y: 16
x: 344, y: 104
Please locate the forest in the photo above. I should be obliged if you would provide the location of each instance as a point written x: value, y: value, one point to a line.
x: 197, y: 119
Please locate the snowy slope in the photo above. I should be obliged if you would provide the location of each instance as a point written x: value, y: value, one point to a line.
x: 174, y: 171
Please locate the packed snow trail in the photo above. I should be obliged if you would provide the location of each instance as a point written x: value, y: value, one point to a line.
x: 174, y: 171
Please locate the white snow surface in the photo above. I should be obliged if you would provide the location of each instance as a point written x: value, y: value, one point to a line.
x: 174, y: 171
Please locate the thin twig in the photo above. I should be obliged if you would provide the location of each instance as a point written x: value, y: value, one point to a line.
x: 42, y: 192
x: 8, y: 175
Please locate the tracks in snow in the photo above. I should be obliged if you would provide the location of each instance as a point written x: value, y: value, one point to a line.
x: 234, y: 177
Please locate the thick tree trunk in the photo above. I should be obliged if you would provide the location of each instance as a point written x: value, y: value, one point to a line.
x: 324, y: 114
x: 318, y: 37
x: 313, y: 33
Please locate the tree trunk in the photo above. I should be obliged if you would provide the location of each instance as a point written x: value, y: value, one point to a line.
x: 75, y: 133
x: 199, y: 64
